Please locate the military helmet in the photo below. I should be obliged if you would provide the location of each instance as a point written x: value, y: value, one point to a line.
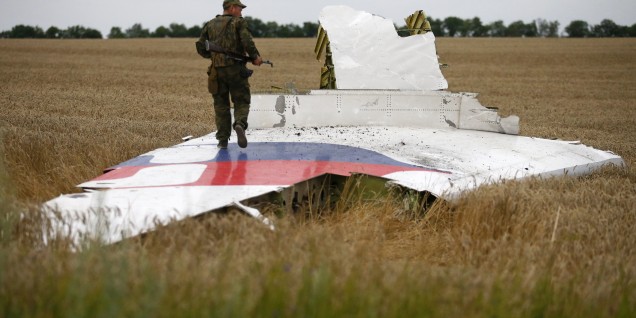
x: 228, y: 3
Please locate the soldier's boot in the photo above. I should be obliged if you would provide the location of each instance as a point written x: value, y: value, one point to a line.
x: 222, y: 144
x: 240, y: 134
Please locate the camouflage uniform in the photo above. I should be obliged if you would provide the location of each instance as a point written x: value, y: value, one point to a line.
x: 226, y: 76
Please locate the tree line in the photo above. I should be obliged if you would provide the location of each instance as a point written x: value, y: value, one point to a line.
x: 259, y: 29
x: 448, y: 27
x: 457, y: 27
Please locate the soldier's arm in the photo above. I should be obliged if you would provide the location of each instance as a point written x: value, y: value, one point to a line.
x: 258, y: 61
x: 200, y: 44
x: 247, y: 41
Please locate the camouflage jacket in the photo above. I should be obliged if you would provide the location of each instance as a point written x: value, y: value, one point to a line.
x: 232, y: 34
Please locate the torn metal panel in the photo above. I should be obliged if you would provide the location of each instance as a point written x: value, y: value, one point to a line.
x: 115, y: 214
x: 433, y: 109
x: 369, y: 54
x: 137, y: 195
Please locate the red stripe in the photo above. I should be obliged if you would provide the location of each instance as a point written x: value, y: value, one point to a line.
x: 269, y: 172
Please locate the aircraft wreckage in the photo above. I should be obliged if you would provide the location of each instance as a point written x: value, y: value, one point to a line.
x: 384, y: 113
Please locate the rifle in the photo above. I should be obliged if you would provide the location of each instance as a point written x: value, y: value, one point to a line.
x: 211, y: 47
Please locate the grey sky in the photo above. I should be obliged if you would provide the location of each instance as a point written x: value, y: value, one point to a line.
x: 103, y: 15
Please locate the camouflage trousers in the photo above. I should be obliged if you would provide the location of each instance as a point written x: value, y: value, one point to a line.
x: 231, y: 84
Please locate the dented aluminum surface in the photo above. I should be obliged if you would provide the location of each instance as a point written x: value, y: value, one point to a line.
x: 431, y: 109
x: 369, y: 54
x: 192, y: 178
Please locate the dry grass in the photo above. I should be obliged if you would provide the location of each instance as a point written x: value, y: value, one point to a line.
x: 558, y: 247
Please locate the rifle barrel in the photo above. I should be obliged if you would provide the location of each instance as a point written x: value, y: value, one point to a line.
x: 219, y: 49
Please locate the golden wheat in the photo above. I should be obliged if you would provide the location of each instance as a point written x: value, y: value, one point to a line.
x: 555, y: 247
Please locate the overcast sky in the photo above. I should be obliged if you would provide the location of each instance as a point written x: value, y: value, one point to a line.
x: 102, y: 15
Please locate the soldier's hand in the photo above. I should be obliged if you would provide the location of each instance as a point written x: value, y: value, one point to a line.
x: 258, y: 61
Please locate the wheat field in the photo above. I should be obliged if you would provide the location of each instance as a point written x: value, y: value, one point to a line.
x: 561, y: 247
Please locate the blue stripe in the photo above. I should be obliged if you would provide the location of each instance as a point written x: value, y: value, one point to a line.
x: 292, y: 151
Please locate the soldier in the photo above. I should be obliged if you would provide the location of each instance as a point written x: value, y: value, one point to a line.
x: 228, y: 76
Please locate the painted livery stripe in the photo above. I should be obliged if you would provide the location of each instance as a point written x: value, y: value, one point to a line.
x: 262, y: 172
x: 284, y: 151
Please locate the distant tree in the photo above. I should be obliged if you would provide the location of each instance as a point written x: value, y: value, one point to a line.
x: 546, y: 28
x: 516, y: 28
x: 283, y: 31
x: 607, y: 28
x: 73, y: 32
x: 137, y: 31
x: 476, y: 28
x: 271, y: 29
x: 519, y: 28
x: 631, y: 31
x: 22, y: 31
x: 116, y: 33
x: 465, y: 29
x: 195, y: 31
x: 553, y: 29
x: 310, y: 29
x: 578, y: 29
x: 53, y: 33
x: 80, y: 32
x: 452, y: 25
x: 289, y: 31
x: 530, y: 30
x: 436, y: 26
x: 160, y: 32
x: 178, y: 30
x: 92, y: 34
x: 623, y: 31
x: 497, y: 29
x: 256, y: 26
